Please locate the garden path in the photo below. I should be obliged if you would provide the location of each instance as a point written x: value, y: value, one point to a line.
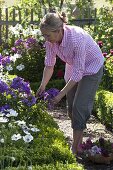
x: 94, y: 130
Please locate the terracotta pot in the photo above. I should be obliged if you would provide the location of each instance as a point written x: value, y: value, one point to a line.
x: 101, y: 159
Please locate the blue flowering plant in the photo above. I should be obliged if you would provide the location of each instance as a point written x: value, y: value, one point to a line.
x: 13, y: 91
x: 17, y: 101
x: 47, y: 96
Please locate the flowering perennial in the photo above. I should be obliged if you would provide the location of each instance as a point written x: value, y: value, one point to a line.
x: 101, y: 146
x: 48, y: 95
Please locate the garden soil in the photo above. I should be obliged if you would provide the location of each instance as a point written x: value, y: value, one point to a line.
x: 94, y: 130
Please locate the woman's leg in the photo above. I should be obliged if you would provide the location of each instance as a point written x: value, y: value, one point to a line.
x: 77, y: 141
x: 83, y: 105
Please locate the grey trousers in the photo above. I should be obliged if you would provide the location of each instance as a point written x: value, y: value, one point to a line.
x: 80, y: 99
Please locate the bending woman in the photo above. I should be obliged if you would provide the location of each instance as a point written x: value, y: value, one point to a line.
x: 83, y: 70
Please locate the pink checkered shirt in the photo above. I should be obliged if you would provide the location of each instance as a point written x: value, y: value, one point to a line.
x: 78, y: 50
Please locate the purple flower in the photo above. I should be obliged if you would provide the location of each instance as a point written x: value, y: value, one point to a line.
x: 14, y: 49
x: 18, y: 42
x: 87, y: 145
x: 5, y: 107
x: 48, y: 95
x: 19, y: 84
x: 5, y: 60
x: 104, y: 152
x: 30, y: 42
x: 3, y: 87
x: 29, y: 101
x: 1, y: 58
x: 53, y: 92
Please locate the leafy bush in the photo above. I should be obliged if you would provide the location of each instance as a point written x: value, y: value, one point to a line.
x: 103, y: 107
x: 57, y: 166
x: 107, y: 80
x: 27, y: 52
x: 104, y: 29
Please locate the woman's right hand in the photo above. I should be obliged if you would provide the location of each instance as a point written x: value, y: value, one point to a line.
x: 40, y: 90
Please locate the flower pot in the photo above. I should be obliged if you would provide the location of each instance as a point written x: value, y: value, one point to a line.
x: 98, y: 158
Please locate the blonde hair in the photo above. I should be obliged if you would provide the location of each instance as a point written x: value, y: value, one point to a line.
x: 53, y: 21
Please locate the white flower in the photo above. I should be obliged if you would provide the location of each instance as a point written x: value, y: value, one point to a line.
x: 21, y: 123
x: 35, y: 129
x: 25, y: 129
x: 1, y: 140
x: 13, y: 158
x: 28, y: 138
x: 36, y: 32
x: 95, y: 150
x: 16, y: 137
x: 26, y: 132
x: 9, y: 68
x: 30, y: 125
x: 17, y: 55
x: 30, y: 168
x: 1, y: 114
x: 12, y: 113
x: 16, y: 30
x: 20, y: 67
x: 3, y: 120
x: 27, y: 31
x: 10, y: 125
x: 12, y: 58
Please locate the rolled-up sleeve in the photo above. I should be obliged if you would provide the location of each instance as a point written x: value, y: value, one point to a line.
x: 78, y: 66
x: 50, y: 58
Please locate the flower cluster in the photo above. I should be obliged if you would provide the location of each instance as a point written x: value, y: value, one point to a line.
x: 28, y: 40
x: 105, y: 54
x: 15, y: 96
x: 101, y: 146
x: 26, y: 45
x: 48, y: 95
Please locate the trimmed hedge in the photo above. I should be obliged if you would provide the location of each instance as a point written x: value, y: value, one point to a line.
x: 103, y: 107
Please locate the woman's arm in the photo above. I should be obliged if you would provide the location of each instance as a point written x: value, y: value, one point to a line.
x: 47, y: 74
x: 69, y: 85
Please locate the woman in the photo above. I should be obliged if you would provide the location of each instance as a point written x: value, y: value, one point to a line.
x: 83, y: 71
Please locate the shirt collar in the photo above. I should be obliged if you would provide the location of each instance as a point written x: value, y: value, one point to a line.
x: 65, y: 38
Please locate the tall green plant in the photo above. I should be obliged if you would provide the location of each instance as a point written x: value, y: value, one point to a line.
x: 104, y: 28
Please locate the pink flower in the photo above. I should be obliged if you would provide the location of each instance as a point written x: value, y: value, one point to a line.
x: 100, y: 43
x: 104, y: 54
x: 111, y: 51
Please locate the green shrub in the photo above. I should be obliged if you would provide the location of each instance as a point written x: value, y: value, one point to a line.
x: 104, y: 107
x: 104, y: 29
x: 47, y: 147
x: 57, y: 166
x: 107, y: 79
